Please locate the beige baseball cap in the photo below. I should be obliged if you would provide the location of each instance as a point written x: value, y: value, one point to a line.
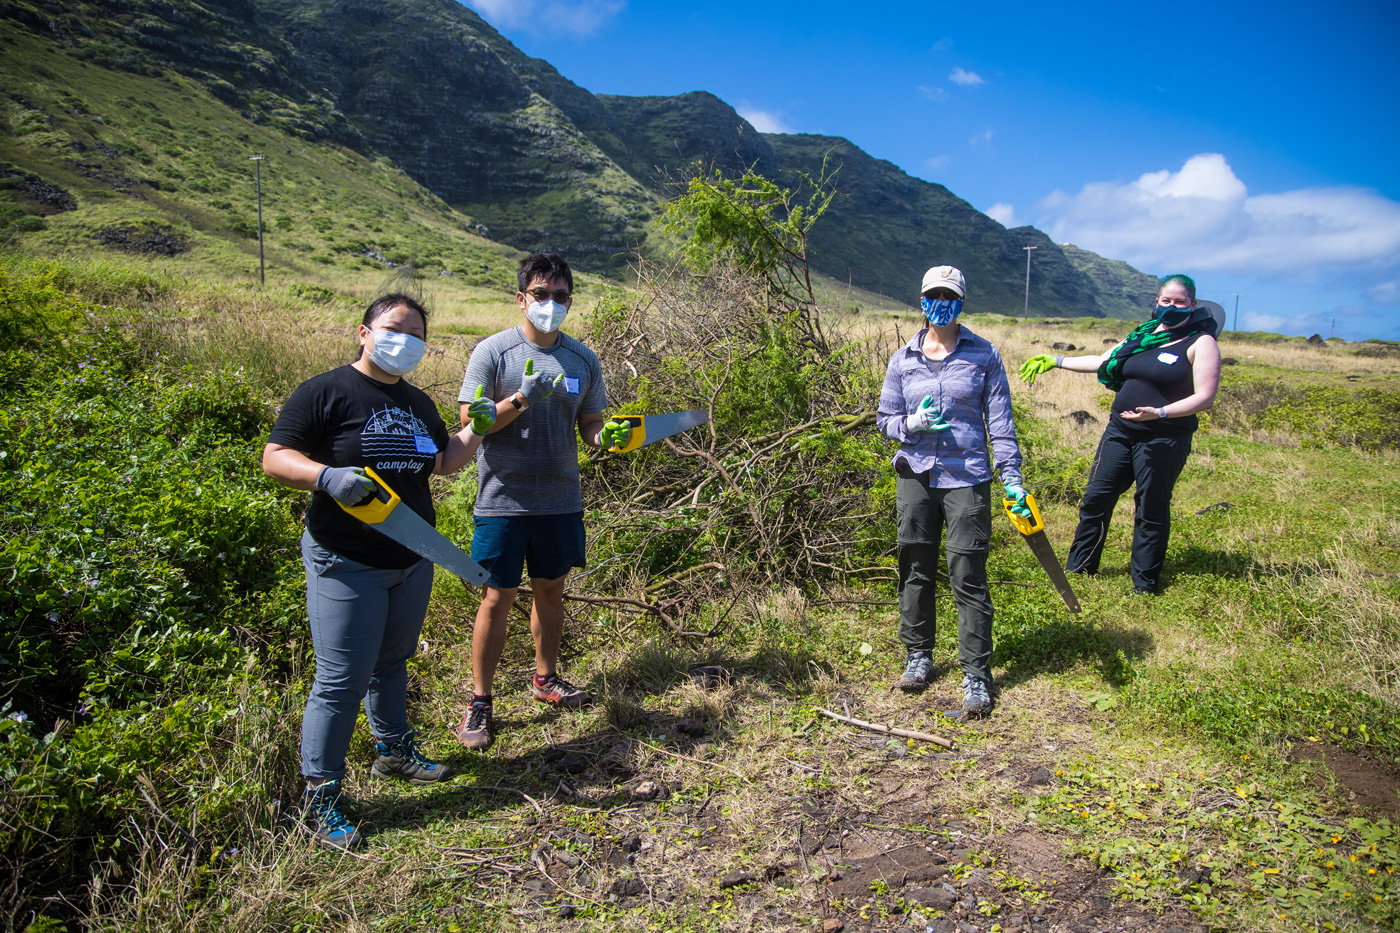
x: 944, y: 277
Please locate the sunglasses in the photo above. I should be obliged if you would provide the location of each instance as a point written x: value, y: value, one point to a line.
x: 544, y: 294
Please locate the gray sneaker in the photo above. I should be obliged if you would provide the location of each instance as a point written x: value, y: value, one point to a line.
x: 916, y: 672
x: 977, y: 697
x: 401, y: 758
x: 477, y: 730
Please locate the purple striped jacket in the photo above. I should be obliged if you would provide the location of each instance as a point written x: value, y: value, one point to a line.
x: 970, y: 389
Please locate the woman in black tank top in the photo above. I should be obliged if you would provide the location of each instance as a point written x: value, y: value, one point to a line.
x: 1166, y: 371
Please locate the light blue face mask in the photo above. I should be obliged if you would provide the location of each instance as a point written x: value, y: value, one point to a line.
x: 941, y: 311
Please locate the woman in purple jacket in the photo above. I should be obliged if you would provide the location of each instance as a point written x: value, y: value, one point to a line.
x: 945, y: 397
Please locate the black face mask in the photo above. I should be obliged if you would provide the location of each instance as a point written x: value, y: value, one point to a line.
x: 1172, y: 316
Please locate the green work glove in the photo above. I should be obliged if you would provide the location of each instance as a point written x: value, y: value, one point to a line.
x: 535, y: 387
x: 482, y: 411
x: 926, y: 418
x: 1021, y: 508
x: 1036, y: 365
x: 346, y: 485
x: 614, y: 434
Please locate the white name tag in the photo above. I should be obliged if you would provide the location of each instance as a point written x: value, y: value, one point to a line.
x: 1168, y: 358
x: 424, y: 444
x: 571, y: 385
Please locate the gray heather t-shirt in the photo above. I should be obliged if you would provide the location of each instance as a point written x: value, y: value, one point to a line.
x: 531, y: 465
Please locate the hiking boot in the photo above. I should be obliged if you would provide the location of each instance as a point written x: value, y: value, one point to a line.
x: 330, y: 826
x: 477, y: 730
x: 977, y: 697
x: 556, y: 690
x: 400, y: 758
x: 916, y: 672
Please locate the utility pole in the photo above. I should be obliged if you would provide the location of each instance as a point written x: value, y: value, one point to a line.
x: 1028, y: 249
x: 1237, y: 311
x: 262, y: 266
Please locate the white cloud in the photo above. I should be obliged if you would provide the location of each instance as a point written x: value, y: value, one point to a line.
x: 765, y: 121
x: 1003, y: 214
x: 981, y: 140
x: 965, y: 78
x: 933, y: 93
x: 943, y: 45
x: 1384, y: 293
x: 937, y: 162
x: 1203, y: 218
x: 562, y: 18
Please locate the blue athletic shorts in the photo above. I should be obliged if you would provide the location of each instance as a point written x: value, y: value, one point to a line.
x: 548, y: 544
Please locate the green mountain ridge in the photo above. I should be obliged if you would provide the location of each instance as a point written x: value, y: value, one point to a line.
x: 504, y: 145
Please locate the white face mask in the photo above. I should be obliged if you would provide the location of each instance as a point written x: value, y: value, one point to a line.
x: 547, y: 316
x: 397, y: 354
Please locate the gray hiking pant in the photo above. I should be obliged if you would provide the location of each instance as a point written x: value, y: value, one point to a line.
x: 365, y: 623
x: 922, y: 513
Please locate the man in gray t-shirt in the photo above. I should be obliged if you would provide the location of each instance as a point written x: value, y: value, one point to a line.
x: 529, y: 508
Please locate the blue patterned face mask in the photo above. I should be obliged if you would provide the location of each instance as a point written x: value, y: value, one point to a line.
x: 941, y: 311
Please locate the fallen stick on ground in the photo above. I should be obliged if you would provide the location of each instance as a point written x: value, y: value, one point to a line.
x: 888, y: 730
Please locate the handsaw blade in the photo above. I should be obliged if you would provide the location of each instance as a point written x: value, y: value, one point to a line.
x: 1032, y: 529
x: 1040, y: 546
x: 390, y: 517
x: 648, y: 429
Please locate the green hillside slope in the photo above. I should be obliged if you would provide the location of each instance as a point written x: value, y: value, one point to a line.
x: 393, y: 92
x: 114, y: 160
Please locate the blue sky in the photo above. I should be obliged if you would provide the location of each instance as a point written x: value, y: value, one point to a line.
x: 1254, y: 146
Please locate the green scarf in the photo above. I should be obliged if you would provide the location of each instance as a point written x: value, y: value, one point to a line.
x: 1144, y: 337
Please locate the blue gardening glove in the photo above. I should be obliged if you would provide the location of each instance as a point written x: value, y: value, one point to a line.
x: 535, y: 387
x: 1021, y: 508
x: 614, y: 434
x: 926, y: 418
x: 482, y: 412
x: 346, y: 485
x: 1038, y: 364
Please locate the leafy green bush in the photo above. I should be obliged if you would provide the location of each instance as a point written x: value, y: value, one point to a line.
x: 1318, y: 416
x: 147, y: 587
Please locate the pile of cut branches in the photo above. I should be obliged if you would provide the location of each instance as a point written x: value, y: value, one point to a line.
x: 787, y: 484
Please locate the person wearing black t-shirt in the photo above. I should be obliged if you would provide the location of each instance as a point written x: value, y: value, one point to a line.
x: 1166, y: 371
x: 366, y: 595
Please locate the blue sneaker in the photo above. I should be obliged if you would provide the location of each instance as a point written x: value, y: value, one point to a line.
x: 916, y: 672
x: 330, y: 825
x: 401, y: 758
x: 977, y: 697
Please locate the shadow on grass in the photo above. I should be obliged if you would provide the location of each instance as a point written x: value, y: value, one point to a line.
x: 1234, y: 565
x: 1051, y: 647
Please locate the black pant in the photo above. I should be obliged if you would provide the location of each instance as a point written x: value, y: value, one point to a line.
x: 923, y: 512
x: 1126, y: 457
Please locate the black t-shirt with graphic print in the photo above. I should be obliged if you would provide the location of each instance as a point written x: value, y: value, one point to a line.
x: 345, y: 418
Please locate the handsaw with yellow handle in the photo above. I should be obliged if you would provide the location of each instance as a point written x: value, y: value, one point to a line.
x: 1032, y: 529
x: 386, y: 513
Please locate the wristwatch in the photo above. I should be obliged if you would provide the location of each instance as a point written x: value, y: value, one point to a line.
x: 517, y: 402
